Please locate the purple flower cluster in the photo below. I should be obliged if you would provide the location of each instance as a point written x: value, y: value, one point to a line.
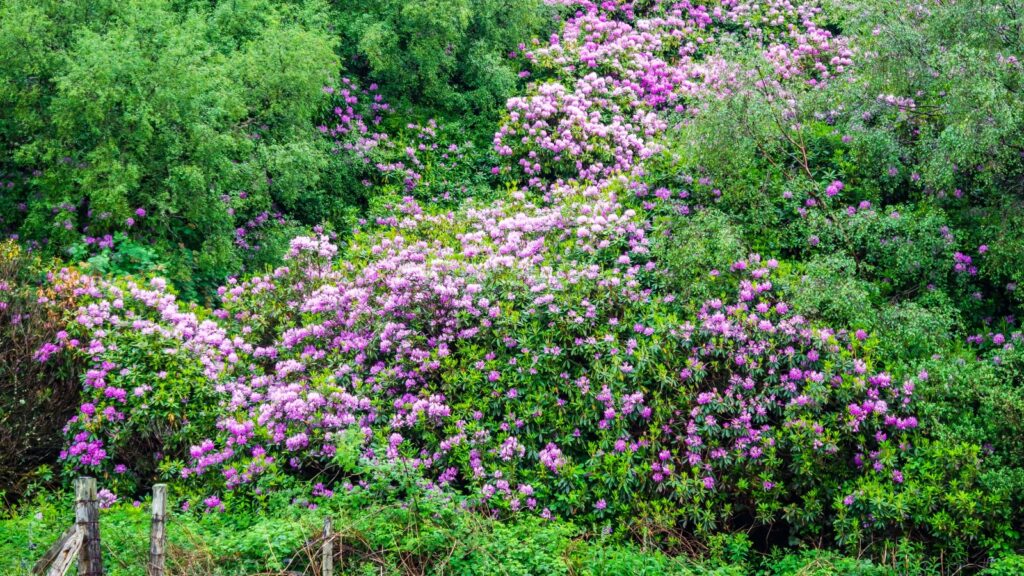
x: 370, y: 350
x: 617, y: 72
x: 501, y: 345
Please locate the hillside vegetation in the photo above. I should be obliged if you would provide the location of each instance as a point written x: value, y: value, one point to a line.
x: 520, y: 287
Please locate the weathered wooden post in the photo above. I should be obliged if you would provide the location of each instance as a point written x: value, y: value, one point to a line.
x: 87, y: 517
x: 58, y: 559
x: 327, y: 563
x: 157, y: 531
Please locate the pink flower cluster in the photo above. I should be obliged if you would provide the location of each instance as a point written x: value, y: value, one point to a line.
x: 499, y: 345
x: 617, y: 72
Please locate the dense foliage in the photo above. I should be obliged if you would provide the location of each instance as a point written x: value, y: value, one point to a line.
x: 36, y: 398
x: 718, y: 268
x: 456, y: 55
x: 182, y: 138
x: 434, y: 537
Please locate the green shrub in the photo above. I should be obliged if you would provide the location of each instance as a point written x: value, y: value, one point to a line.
x: 828, y: 287
x: 690, y: 248
x: 909, y: 333
x: 150, y: 121
x: 451, y: 55
x: 822, y: 563
x: 1008, y: 565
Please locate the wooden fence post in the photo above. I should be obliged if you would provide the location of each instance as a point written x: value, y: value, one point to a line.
x: 87, y: 517
x: 327, y: 562
x: 157, y: 531
x: 58, y: 559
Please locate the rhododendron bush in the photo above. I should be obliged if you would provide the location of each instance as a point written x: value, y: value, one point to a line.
x: 498, y: 366
x: 717, y: 268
